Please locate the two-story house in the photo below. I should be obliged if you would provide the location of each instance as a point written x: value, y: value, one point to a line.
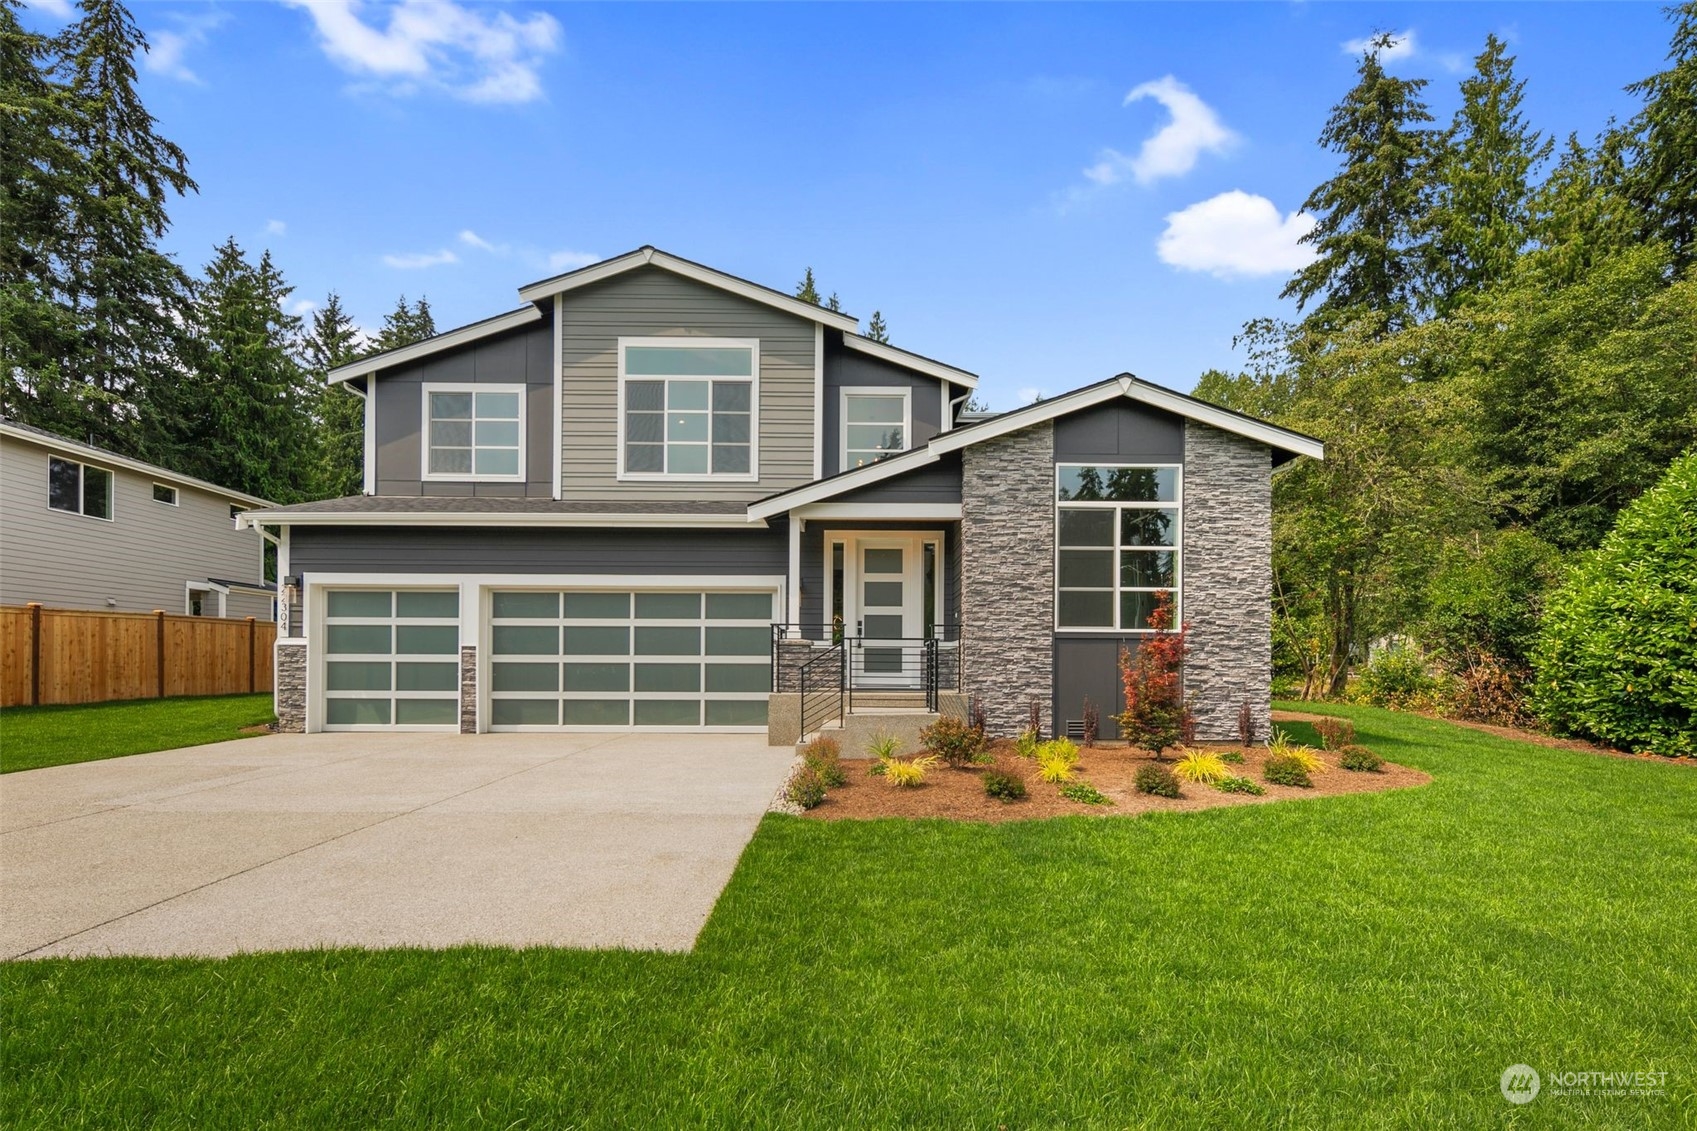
x: 660, y: 496
x: 85, y: 528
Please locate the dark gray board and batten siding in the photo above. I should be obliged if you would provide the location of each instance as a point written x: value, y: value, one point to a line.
x: 847, y: 369
x: 524, y: 356
x: 646, y: 553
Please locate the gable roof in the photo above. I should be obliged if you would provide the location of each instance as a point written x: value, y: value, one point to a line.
x: 448, y: 339
x: 1124, y: 385
x: 931, y: 367
x: 649, y: 256
x: 43, y: 438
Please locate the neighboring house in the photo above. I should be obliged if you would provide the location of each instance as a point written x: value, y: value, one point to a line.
x: 659, y: 496
x: 82, y: 528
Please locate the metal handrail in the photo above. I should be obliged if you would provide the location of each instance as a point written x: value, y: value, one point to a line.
x: 824, y: 684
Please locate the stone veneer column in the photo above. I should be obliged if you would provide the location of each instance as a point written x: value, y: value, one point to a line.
x: 289, y: 682
x: 1007, y: 575
x: 468, y: 689
x: 1228, y: 579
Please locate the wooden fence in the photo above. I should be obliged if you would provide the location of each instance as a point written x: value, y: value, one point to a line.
x: 93, y: 656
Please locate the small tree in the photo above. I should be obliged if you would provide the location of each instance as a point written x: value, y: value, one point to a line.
x: 1156, y: 716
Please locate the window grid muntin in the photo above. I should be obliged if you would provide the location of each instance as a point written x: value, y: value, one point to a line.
x: 484, y: 415
x: 897, y: 432
x: 392, y: 659
x: 717, y: 454
x: 1119, y: 548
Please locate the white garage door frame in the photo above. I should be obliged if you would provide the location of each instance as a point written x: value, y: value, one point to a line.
x: 475, y: 617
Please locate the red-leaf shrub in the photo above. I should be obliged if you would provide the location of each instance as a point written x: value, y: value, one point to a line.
x: 1156, y: 716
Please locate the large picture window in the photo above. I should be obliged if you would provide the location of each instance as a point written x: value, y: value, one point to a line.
x: 1117, y: 544
x: 475, y: 432
x: 77, y: 488
x: 688, y: 408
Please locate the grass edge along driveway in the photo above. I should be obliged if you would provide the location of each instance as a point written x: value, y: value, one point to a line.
x: 1372, y: 960
x: 33, y: 737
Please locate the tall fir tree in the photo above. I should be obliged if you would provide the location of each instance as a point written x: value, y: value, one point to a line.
x: 404, y: 325
x: 807, y: 290
x: 1580, y: 215
x: 333, y: 339
x: 1371, y: 258
x: 1482, y: 173
x: 127, y: 300
x: 1661, y: 177
x: 876, y: 329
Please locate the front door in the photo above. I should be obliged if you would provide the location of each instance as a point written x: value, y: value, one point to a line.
x: 890, y: 608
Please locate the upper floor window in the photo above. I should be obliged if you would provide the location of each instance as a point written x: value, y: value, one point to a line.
x: 164, y: 494
x: 475, y: 432
x: 688, y: 408
x: 1117, y: 535
x: 876, y: 424
x: 78, y: 488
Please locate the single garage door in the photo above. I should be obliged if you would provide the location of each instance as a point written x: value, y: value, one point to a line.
x: 391, y: 659
x: 603, y: 659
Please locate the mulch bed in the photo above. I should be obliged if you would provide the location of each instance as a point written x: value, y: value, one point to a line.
x: 958, y: 795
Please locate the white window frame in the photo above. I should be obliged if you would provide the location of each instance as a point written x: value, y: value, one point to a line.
x: 322, y: 620
x: 850, y: 541
x: 82, y: 469
x: 753, y: 473
x: 1177, y: 547
x: 174, y: 500
x: 848, y: 392
x: 473, y: 388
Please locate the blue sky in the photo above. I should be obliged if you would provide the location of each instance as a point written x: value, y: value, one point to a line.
x: 976, y: 172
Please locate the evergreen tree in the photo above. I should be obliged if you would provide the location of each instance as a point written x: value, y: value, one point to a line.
x: 1661, y: 179
x: 334, y: 340
x: 404, y: 325
x: 1579, y: 214
x: 1369, y: 215
x: 127, y: 300
x: 1481, y: 220
x: 807, y: 290
x: 876, y: 329
x: 833, y: 304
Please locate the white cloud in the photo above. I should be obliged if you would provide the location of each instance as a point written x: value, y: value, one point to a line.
x: 166, y: 50
x: 567, y: 260
x: 1402, y: 46
x: 276, y: 228
x: 58, y: 9
x: 1236, y: 235
x: 472, y: 239
x: 301, y: 307
x: 417, y: 260
x: 1172, y: 150
x: 473, y: 54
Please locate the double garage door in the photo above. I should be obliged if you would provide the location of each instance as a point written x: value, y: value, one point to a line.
x: 552, y: 659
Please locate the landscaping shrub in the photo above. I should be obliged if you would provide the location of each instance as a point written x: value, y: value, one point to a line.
x: 1034, y: 716
x: 1085, y: 793
x: 1282, y: 769
x: 877, y: 768
x: 1617, y: 656
x: 1283, y: 747
x: 1157, y: 780
x: 1396, y: 678
x: 1231, y: 756
x: 1003, y: 786
x: 1489, y: 690
x: 908, y: 772
x: 1063, y: 749
x: 952, y: 740
x: 883, y: 746
x: 979, y: 718
x: 1026, y: 744
x: 1156, y: 716
x: 1092, y: 722
x: 824, y: 757
x: 1200, y: 766
x: 1360, y: 759
x: 1246, y: 723
x: 1335, y: 734
x: 1232, y: 783
x: 805, y: 787
x: 1054, y: 770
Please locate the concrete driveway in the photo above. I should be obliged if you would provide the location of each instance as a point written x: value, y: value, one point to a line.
x: 380, y: 840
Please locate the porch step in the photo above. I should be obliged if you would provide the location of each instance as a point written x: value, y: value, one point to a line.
x: 881, y: 701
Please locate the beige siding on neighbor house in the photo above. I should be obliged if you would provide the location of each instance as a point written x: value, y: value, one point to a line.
x: 141, y: 558
x: 650, y: 302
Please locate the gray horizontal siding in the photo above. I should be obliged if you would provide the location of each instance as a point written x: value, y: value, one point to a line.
x: 847, y: 369
x: 140, y: 560
x: 524, y: 356
x: 414, y: 549
x: 649, y: 302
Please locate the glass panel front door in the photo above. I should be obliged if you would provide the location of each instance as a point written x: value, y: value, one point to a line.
x: 889, y: 609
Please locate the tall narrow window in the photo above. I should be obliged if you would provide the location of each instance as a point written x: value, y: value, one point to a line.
x: 78, y: 488
x: 875, y: 425
x: 689, y: 409
x: 1117, y: 535
x: 475, y: 432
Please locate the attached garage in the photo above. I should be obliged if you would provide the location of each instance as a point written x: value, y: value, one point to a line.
x: 391, y: 659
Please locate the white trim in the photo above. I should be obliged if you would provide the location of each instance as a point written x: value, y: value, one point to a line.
x: 792, y: 607
x: 852, y: 541
x: 1114, y: 505
x: 491, y: 518
x: 1026, y: 417
x: 471, y: 389
x: 82, y: 466
x: 647, y: 582
x: 222, y: 592
x: 511, y: 320
x: 559, y: 385
x: 652, y: 256
x: 87, y: 453
x: 818, y: 401
x: 282, y: 607
x: 913, y: 458
x: 883, y: 351
x: 174, y: 500
x: 945, y: 425
x: 369, y: 393
x: 845, y: 392
x: 878, y: 512
x: 752, y: 475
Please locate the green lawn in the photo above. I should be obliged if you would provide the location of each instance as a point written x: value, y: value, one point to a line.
x: 1359, y: 961
x: 32, y: 737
